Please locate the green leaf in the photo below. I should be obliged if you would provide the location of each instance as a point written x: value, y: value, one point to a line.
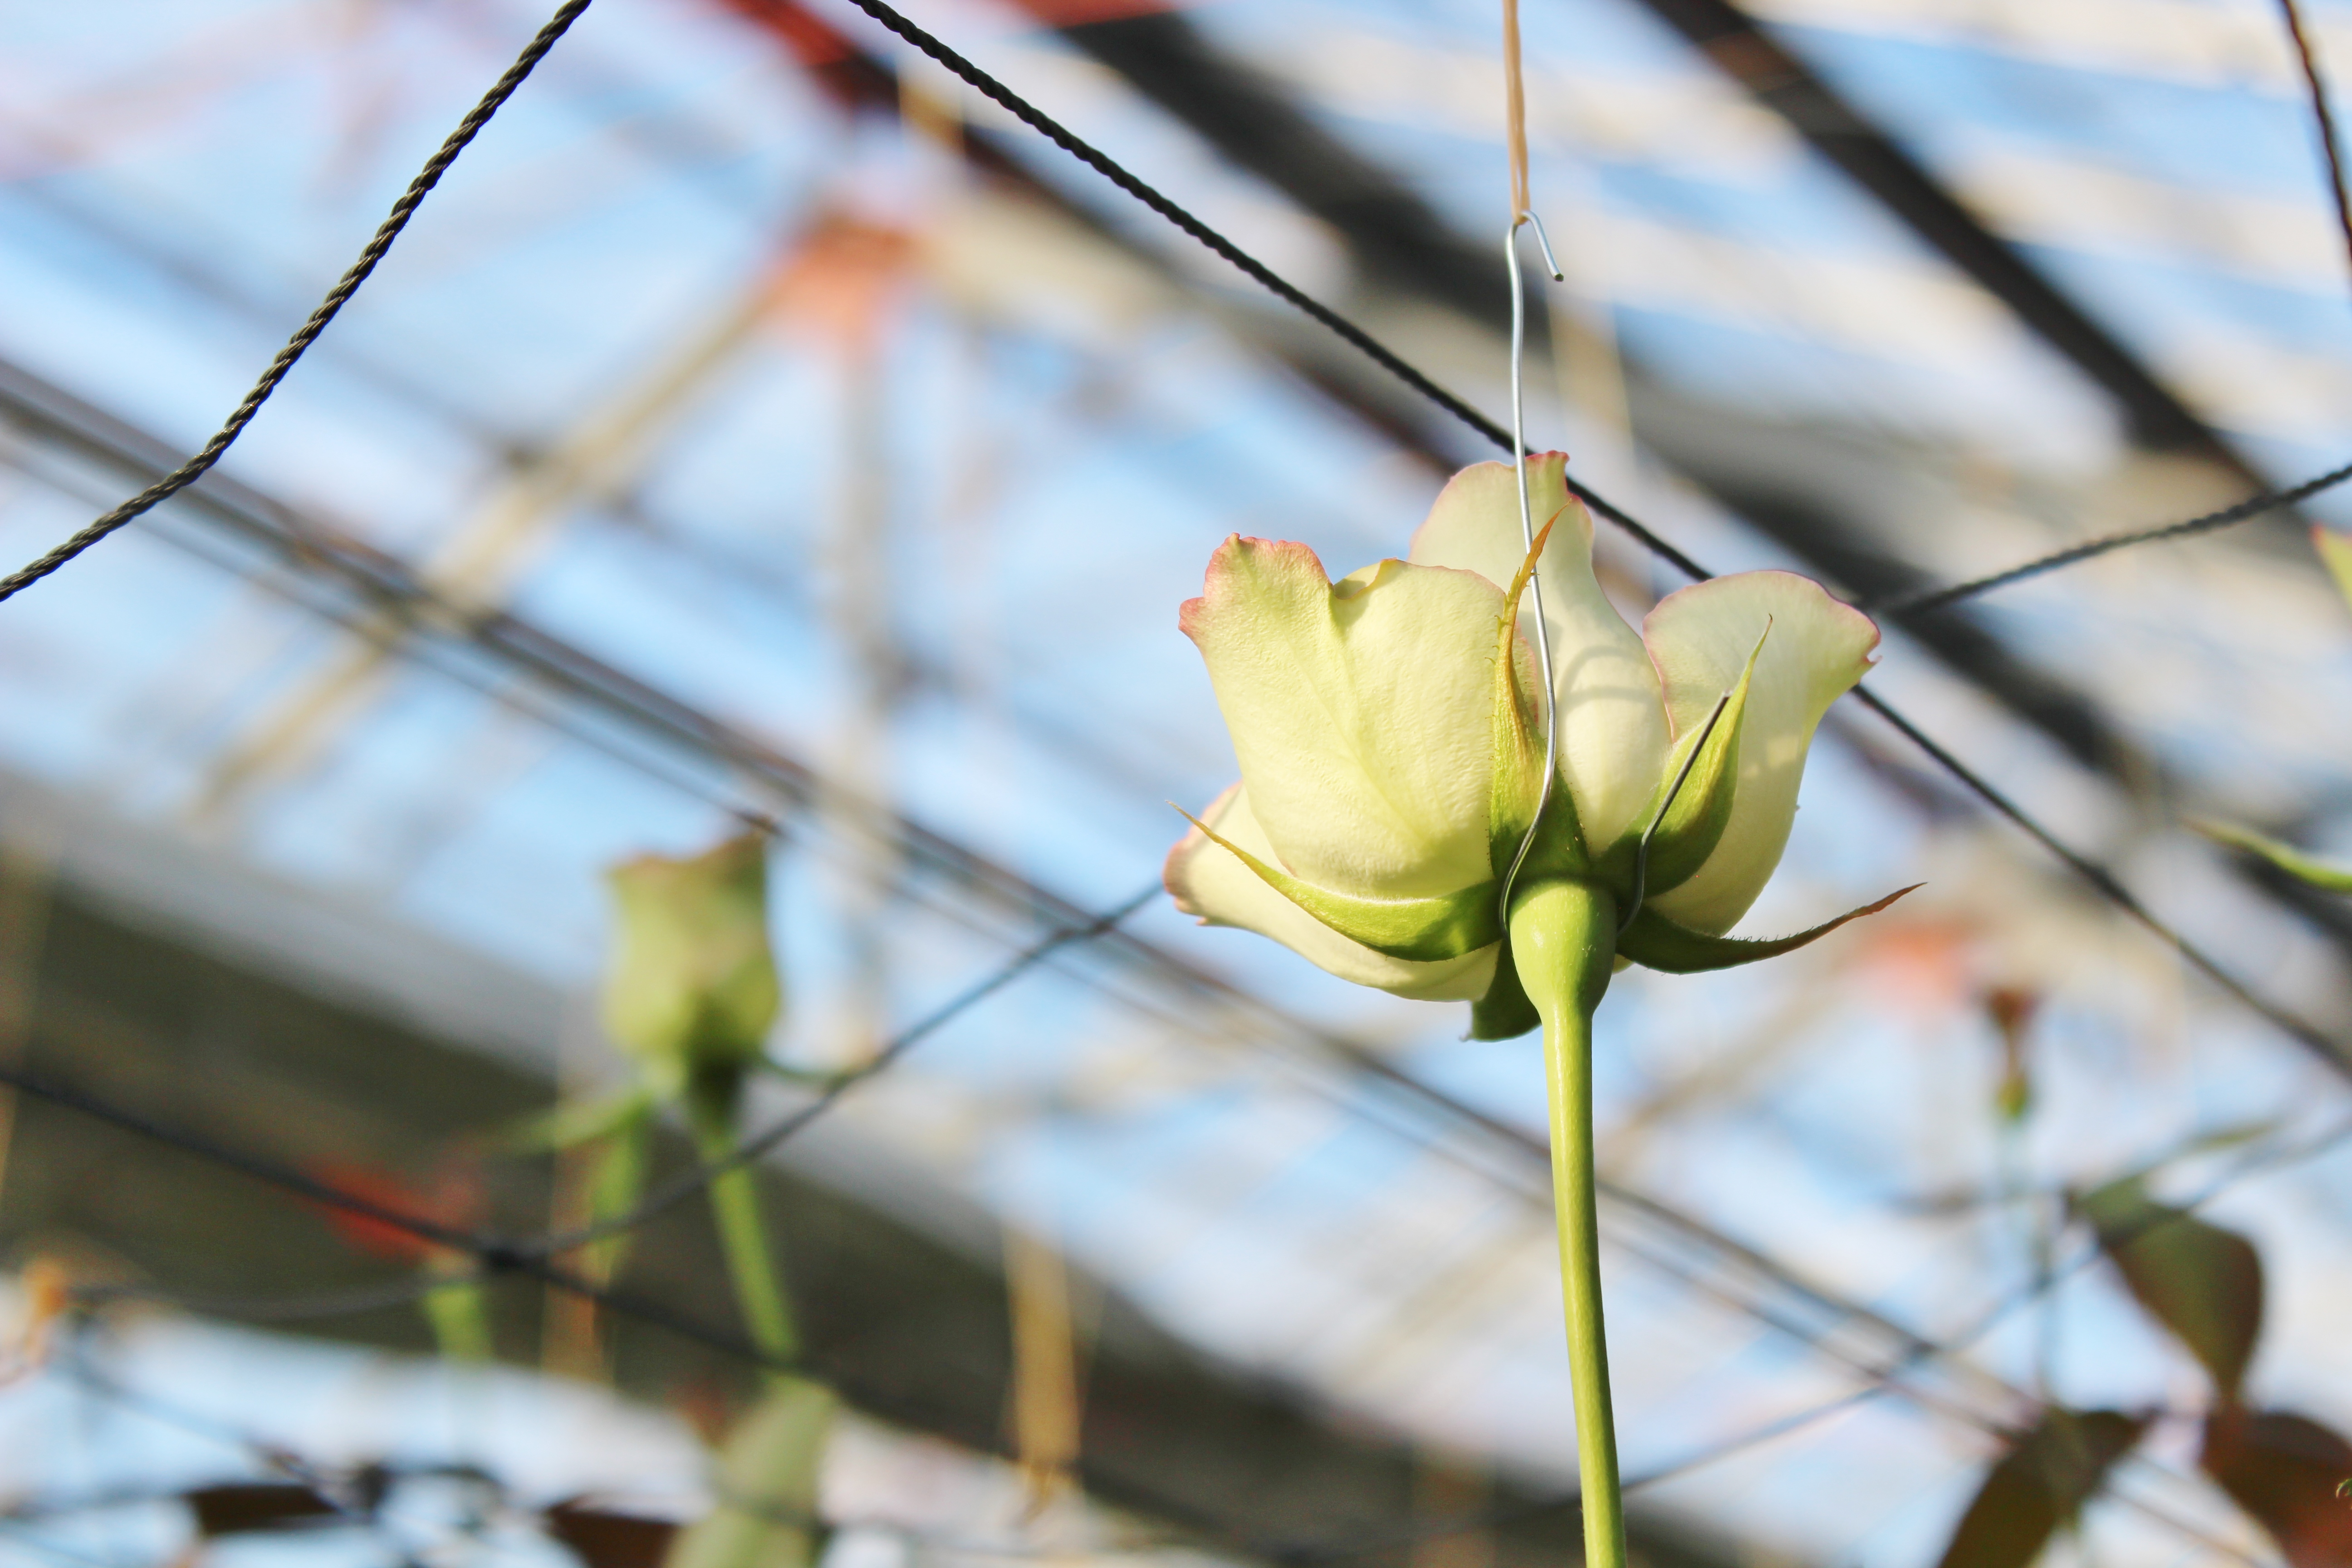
x: 767, y: 1484
x: 1690, y: 810
x: 1421, y: 929
x: 2286, y: 1471
x: 2202, y: 1282
x: 2327, y: 874
x: 2039, y: 1484
x: 1657, y: 943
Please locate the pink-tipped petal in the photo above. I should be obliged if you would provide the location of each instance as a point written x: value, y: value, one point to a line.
x: 1360, y: 712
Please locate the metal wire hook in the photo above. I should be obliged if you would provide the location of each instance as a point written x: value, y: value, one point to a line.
x: 1528, y: 530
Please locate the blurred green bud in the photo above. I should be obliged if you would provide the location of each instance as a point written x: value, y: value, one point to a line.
x: 692, y: 989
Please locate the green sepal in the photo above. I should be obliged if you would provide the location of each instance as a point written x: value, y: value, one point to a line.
x: 2326, y: 874
x: 1505, y: 1013
x: 1692, y: 809
x: 1657, y: 943
x: 1421, y: 931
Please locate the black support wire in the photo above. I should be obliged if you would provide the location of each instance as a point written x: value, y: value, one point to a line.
x: 2323, y: 117
x: 2109, y: 887
x: 1258, y: 271
x: 378, y: 244
x: 2211, y: 521
x: 689, y: 1182
x: 2101, y: 879
x: 568, y: 670
x: 532, y: 1255
x: 494, y: 1254
x: 501, y: 1259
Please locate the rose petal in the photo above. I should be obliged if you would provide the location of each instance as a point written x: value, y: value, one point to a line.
x: 1210, y: 883
x: 1700, y: 638
x: 1360, y: 712
x: 1612, y: 726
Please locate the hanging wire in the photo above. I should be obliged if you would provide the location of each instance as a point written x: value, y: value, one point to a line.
x: 1524, y: 218
x: 1029, y: 114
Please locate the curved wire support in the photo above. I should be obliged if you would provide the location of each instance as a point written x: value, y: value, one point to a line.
x: 1528, y: 530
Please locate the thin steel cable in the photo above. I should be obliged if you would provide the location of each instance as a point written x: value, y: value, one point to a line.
x: 688, y: 1183
x: 500, y: 1257
x: 497, y: 1255
x: 1061, y: 136
x: 1360, y: 340
x: 1519, y: 465
x: 378, y: 244
x: 1882, y: 1379
x: 310, y: 1306
x: 2323, y: 117
x: 2109, y: 887
x: 2253, y: 507
x: 2100, y: 879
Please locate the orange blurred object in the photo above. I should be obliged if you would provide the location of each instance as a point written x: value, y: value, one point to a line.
x: 842, y: 279
x: 452, y: 1200
x: 1928, y: 964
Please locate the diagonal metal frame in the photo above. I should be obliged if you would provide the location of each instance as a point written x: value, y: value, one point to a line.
x: 1677, y: 1241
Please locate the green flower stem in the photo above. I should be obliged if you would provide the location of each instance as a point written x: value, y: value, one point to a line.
x: 742, y: 1233
x: 1563, y: 940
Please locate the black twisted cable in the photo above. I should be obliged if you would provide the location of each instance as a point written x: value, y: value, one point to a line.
x: 2240, y: 511
x: 404, y: 209
x: 2103, y: 880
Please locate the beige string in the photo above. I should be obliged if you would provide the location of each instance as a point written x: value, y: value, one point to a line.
x: 1514, y: 109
